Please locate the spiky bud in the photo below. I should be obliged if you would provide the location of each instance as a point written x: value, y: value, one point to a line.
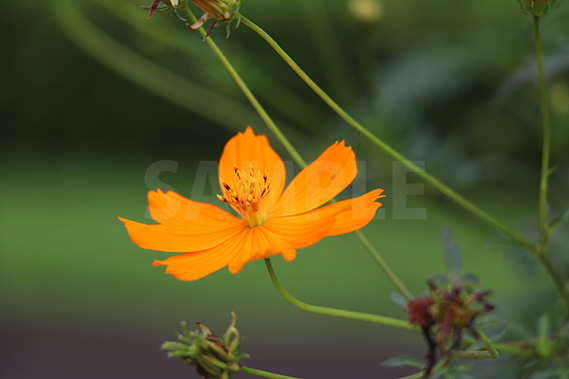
x: 213, y: 356
x: 222, y: 11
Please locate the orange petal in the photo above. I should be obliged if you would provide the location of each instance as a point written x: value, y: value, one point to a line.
x: 352, y: 214
x: 174, y: 209
x: 259, y: 243
x: 301, y: 230
x: 318, y: 183
x: 186, y: 225
x: 245, y: 149
x: 196, y: 265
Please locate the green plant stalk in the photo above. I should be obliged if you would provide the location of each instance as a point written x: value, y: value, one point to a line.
x: 518, y: 348
x: 252, y: 99
x: 390, y: 321
x: 491, y: 349
x: 472, y: 355
x: 165, y: 35
x: 543, y: 226
x: 265, y: 374
x: 546, y: 139
x: 290, y: 149
x: 511, y: 349
x: 516, y: 237
x: 418, y: 375
x: 554, y: 275
x: 383, y: 265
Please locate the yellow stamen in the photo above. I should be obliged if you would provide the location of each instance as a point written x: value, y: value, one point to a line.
x: 247, y: 194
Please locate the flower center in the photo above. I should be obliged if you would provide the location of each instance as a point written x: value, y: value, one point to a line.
x: 247, y: 192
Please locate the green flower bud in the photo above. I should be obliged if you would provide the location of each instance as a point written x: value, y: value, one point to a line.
x: 213, y: 357
x: 537, y: 7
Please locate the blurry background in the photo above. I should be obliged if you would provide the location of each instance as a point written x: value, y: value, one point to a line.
x: 93, y: 94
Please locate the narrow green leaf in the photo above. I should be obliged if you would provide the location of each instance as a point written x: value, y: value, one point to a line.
x: 544, y: 343
x: 469, y: 279
x: 398, y: 300
x: 490, y: 321
x: 543, y: 375
x: 404, y: 360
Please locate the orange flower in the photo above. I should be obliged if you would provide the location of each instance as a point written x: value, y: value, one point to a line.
x: 252, y: 179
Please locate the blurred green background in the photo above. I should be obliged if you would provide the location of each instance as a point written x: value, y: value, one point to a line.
x: 93, y: 95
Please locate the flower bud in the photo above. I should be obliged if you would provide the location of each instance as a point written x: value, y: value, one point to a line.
x: 164, y: 5
x: 537, y: 7
x: 213, y: 357
x: 222, y: 11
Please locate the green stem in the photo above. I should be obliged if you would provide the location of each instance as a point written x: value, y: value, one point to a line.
x: 265, y: 374
x: 418, y: 375
x: 546, y: 137
x: 559, y: 284
x: 543, y: 228
x: 290, y: 149
x: 403, y: 324
x: 491, y: 349
x: 252, y: 99
x: 383, y: 265
x: 516, y: 237
x: 273, y: 91
x: 520, y: 350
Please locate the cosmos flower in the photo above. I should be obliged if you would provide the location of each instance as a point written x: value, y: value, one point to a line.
x: 272, y: 221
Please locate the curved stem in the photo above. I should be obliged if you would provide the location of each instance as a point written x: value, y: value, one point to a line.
x: 403, y: 324
x: 490, y: 348
x: 291, y: 150
x: 516, y: 237
x: 383, y: 265
x: 545, y: 148
x: 265, y: 374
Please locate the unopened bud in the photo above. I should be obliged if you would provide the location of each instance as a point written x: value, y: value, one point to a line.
x: 222, y: 11
x: 162, y: 5
x: 213, y: 356
x: 537, y: 7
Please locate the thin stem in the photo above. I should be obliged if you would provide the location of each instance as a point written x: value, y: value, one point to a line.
x: 265, y: 374
x: 543, y: 228
x: 518, y: 349
x: 290, y: 149
x: 546, y: 137
x: 516, y: 237
x: 472, y: 354
x: 252, y: 99
x: 418, y: 375
x: 383, y: 265
x: 403, y: 324
x: 491, y: 349
x: 273, y: 91
x: 559, y: 284
x: 506, y: 348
